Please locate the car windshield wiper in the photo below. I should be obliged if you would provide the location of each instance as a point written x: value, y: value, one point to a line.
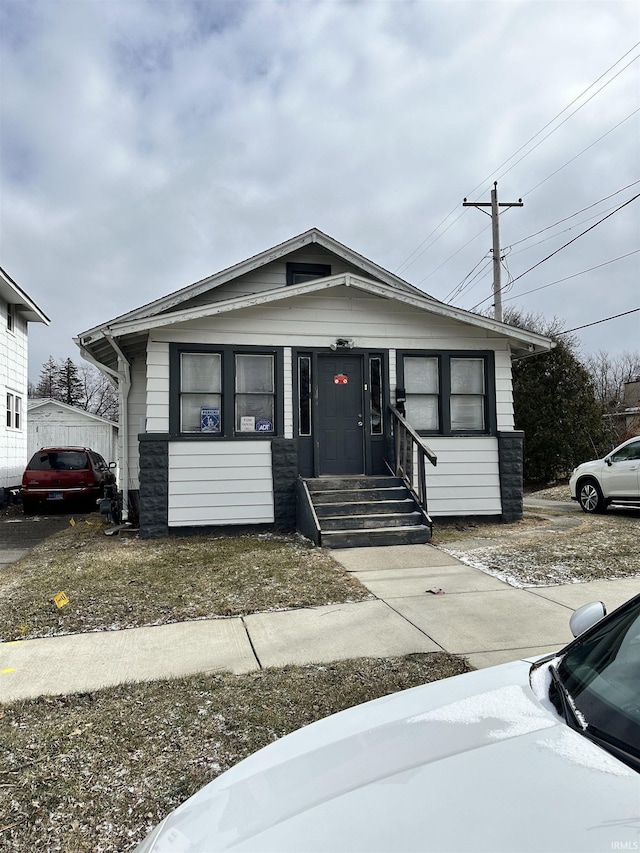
x: 566, y: 706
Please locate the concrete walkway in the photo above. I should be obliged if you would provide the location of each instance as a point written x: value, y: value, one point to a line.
x: 476, y: 615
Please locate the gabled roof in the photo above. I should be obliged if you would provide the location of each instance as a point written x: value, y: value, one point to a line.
x: 310, y: 237
x: 168, y: 311
x: 13, y: 294
x: 35, y: 403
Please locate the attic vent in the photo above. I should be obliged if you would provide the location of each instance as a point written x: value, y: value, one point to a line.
x: 299, y: 273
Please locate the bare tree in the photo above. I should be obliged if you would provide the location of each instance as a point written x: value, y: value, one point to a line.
x: 82, y: 386
x: 98, y: 392
x: 609, y: 374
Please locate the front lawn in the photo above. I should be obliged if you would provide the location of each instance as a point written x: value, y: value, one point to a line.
x: 93, y: 772
x: 124, y: 582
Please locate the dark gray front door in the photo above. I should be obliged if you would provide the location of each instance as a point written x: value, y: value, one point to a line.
x: 340, y: 415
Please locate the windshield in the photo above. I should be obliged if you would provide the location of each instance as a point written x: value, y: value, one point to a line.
x: 601, y: 674
x: 59, y: 460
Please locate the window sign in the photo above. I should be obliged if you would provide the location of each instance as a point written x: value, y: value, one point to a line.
x: 247, y: 423
x: 264, y: 425
x: 210, y: 418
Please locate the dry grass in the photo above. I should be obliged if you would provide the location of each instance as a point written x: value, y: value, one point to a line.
x: 122, y: 582
x: 544, y: 551
x: 94, y: 772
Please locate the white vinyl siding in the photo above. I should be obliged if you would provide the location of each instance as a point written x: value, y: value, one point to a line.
x: 229, y: 482
x: 157, y: 387
x: 13, y: 381
x: 466, y: 480
x: 504, y: 391
x: 219, y: 483
x: 318, y: 319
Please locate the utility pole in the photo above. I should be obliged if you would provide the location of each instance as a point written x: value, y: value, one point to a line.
x: 495, y: 230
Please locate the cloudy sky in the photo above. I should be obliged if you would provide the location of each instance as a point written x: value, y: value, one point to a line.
x: 146, y: 144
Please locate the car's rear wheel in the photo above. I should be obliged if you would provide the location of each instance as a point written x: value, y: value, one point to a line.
x: 590, y: 496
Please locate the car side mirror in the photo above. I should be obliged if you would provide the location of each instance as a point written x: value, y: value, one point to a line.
x: 586, y: 616
x: 608, y: 461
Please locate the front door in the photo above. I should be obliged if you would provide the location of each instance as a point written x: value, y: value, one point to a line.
x: 340, y: 415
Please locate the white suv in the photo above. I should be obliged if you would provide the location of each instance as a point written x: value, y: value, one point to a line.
x: 614, y: 479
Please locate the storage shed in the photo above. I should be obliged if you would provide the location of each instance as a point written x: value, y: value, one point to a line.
x: 52, y: 423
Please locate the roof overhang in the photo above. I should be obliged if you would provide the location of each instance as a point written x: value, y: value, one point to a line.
x: 313, y: 236
x: 13, y: 294
x: 522, y: 341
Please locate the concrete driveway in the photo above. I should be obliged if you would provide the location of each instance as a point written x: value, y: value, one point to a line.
x: 19, y: 532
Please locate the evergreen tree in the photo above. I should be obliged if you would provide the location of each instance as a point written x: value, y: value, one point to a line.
x: 47, y: 384
x: 69, y: 386
x: 81, y: 386
x: 556, y: 406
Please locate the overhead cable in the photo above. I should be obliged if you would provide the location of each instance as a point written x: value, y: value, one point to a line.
x: 595, y: 322
x: 574, y: 275
x: 564, y: 246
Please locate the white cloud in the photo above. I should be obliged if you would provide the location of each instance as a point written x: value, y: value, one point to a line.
x: 146, y: 145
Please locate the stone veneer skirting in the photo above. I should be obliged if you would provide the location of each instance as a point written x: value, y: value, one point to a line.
x: 284, y: 464
x: 154, y: 485
x: 510, y: 461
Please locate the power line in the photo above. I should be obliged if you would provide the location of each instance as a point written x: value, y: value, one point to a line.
x: 459, y: 289
x: 577, y: 213
x: 482, y: 230
x: 577, y: 237
x: 551, y: 132
x: 549, y: 123
x: 564, y: 231
x: 615, y: 127
x: 595, y: 322
x: 416, y: 253
x: 575, y: 275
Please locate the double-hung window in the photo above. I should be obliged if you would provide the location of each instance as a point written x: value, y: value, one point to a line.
x: 14, y: 411
x: 422, y: 385
x: 467, y: 394
x: 224, y: 391
x: 448, y: 393
x: 200, y: 392
x: 255, y: 392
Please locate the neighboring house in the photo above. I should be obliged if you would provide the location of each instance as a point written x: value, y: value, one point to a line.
x: 52, y: 423
x: 17, y: 310
x: 290, y: 365
x: 627, y: 421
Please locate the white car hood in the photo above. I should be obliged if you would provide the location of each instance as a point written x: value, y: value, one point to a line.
x: 473, y: 763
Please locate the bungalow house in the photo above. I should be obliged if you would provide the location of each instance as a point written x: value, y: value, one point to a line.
x: 308, y: 386
x: 17, y: 310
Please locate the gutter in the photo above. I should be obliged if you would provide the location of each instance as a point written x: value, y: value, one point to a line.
x: 123, y: 379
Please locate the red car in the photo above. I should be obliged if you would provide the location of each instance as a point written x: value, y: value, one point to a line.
x: 65, y: 475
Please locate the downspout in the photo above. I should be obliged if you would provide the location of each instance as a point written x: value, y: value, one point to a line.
x: 123, y: 378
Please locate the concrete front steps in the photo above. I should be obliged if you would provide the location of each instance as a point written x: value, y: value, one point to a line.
x: 358, y: 511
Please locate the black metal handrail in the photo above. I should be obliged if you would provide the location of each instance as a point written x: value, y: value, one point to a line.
x: 411, y: 454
